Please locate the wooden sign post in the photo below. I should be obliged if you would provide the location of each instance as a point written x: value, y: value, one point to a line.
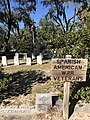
x: 66, y: 98
x: 68, y: 70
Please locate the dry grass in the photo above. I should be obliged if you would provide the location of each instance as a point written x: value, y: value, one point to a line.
x: 10, y: 69
x: 34, y: 88
x: 49, y: 86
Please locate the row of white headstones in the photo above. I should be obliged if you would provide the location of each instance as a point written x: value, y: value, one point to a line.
x: 17, y: 61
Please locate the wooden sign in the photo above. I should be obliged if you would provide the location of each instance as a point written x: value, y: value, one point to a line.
x: 65, y: 69
x: 68, y: 70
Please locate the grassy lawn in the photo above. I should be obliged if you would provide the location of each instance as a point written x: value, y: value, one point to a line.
x: 25, y: 81
x: 11, y: 68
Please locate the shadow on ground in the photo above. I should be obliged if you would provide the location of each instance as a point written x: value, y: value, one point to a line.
x: 19, y: 83
x: 76, y: 87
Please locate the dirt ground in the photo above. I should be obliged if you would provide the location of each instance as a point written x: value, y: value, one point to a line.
x: 57, y: 116
x: 81, y: 112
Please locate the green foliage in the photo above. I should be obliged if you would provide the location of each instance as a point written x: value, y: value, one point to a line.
x: 2, y: 39
x: 24, y: 43
x: 4, y: 81
x: 50, y: 36
x: 81, y: 90
x: 83, y: 94
x: 81, y: 48
x: 4, y: 84
x: 12, y: 12
x: 45, y: 34
x: 70, y: 38
x: 58, y: 12
x: 76, y: 43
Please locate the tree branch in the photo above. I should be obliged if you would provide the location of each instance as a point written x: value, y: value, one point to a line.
x: 74, y: 15
x: 64, y: 16
x: 58, y: 13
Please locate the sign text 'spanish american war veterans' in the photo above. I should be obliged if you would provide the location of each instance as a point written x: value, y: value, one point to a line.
x: 69, y: 69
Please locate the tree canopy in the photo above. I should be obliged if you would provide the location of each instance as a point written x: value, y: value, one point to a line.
x: 57, y: 31
x: 58, y: 11
x: 12, y: 12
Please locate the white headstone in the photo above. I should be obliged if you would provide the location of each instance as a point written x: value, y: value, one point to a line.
x: 24, y: 56
x: 43, y: 101
x: 39, y: 59
x: 16, y: 60
x: 33, y: 57
x: 28, y: 61
x: 4, y: 61
x: 17, y: 54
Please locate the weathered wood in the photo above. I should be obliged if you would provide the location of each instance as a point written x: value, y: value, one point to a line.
x: 66, y: 100
x: 67, y: 69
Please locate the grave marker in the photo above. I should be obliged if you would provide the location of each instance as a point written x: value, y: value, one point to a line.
x: 43, y: 101
x: 4, y: 61
x: 39, y: 59
x: 28, y: 61
x: 16, y: 60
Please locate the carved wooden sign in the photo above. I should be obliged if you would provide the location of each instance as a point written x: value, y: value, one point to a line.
x: 65, y: 69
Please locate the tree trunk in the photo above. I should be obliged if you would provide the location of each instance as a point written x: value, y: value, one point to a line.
x: 9, y: 26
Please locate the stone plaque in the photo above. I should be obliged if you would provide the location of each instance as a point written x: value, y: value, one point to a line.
x: 4, y: 61
x: 43, y: 101
x: 28, y: 61
x: 16, y: 110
